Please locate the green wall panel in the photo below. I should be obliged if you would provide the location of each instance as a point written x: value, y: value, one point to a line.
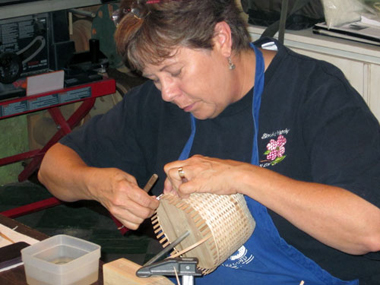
x: 14, y: 140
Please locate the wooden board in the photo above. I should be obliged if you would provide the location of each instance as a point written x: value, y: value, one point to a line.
x: 123, y: 271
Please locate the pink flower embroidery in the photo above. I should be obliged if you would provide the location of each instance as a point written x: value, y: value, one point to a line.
x: 276, y: 149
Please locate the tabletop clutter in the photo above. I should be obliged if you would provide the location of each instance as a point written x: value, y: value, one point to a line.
x: 208, y: 219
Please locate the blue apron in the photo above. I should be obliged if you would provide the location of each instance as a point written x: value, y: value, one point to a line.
x: 265, y: 258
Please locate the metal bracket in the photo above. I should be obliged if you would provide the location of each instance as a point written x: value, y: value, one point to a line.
x: 185, y: 267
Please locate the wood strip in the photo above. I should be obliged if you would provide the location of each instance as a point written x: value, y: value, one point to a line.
x: 190, y: 247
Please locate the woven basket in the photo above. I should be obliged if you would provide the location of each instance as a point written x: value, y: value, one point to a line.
x: 223, y: 222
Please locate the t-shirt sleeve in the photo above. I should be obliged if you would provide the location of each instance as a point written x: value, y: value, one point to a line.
x: 344, y: 138
x: 109, y: 140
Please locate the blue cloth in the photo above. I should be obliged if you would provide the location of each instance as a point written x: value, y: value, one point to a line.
x: 265, y: 258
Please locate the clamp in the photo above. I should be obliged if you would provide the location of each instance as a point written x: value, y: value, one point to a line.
x: 185, y: 267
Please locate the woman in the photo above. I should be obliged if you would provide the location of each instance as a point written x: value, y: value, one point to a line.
x: 287, y: 131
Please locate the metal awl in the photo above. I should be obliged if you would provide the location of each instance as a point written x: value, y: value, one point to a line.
x: 168, y: 248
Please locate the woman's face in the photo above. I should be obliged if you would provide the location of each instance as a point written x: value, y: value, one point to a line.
x: 197, y: 81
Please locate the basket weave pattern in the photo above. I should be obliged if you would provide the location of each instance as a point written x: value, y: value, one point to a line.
x: 225, y: 219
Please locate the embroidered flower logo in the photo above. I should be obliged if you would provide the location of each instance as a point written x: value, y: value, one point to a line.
x: 275, y: 150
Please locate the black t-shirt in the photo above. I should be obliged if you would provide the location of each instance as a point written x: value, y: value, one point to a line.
x: 321, y: 125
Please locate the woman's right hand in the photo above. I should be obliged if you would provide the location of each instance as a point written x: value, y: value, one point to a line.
x: 119, y: 193
x: 69, y: 179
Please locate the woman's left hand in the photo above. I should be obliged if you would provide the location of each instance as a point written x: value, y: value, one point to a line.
x: 332, y: 215
x: 201, y: 174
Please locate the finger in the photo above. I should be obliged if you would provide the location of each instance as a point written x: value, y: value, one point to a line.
x: 185, y: 189
x: 132, y: 192
x: 140, y: 211
x: 133, y: 200
x: 180, y: 175
x: 143, y: 199
x: 173, y: 165
x: 128, y: 219
x: 134, y: 214
x: 130, y: 225
x: 168, y: 187
x: 175, y: 179
x: 174, y: 169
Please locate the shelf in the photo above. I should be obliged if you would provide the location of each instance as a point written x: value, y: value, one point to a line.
x: 43, y: 6
x: 307, y: 40
x: 28, y: 104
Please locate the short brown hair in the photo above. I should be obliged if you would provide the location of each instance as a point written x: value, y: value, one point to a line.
x: 149, y: 30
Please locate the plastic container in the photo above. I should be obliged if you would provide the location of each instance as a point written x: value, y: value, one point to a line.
x: 61, y: 260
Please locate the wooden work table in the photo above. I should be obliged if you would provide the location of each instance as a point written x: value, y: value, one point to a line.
x: 16, y: 276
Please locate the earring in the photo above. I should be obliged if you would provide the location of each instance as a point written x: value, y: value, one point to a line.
x: 231, y: 64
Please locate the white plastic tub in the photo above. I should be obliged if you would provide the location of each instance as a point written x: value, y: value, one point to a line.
x: 61, y: 260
